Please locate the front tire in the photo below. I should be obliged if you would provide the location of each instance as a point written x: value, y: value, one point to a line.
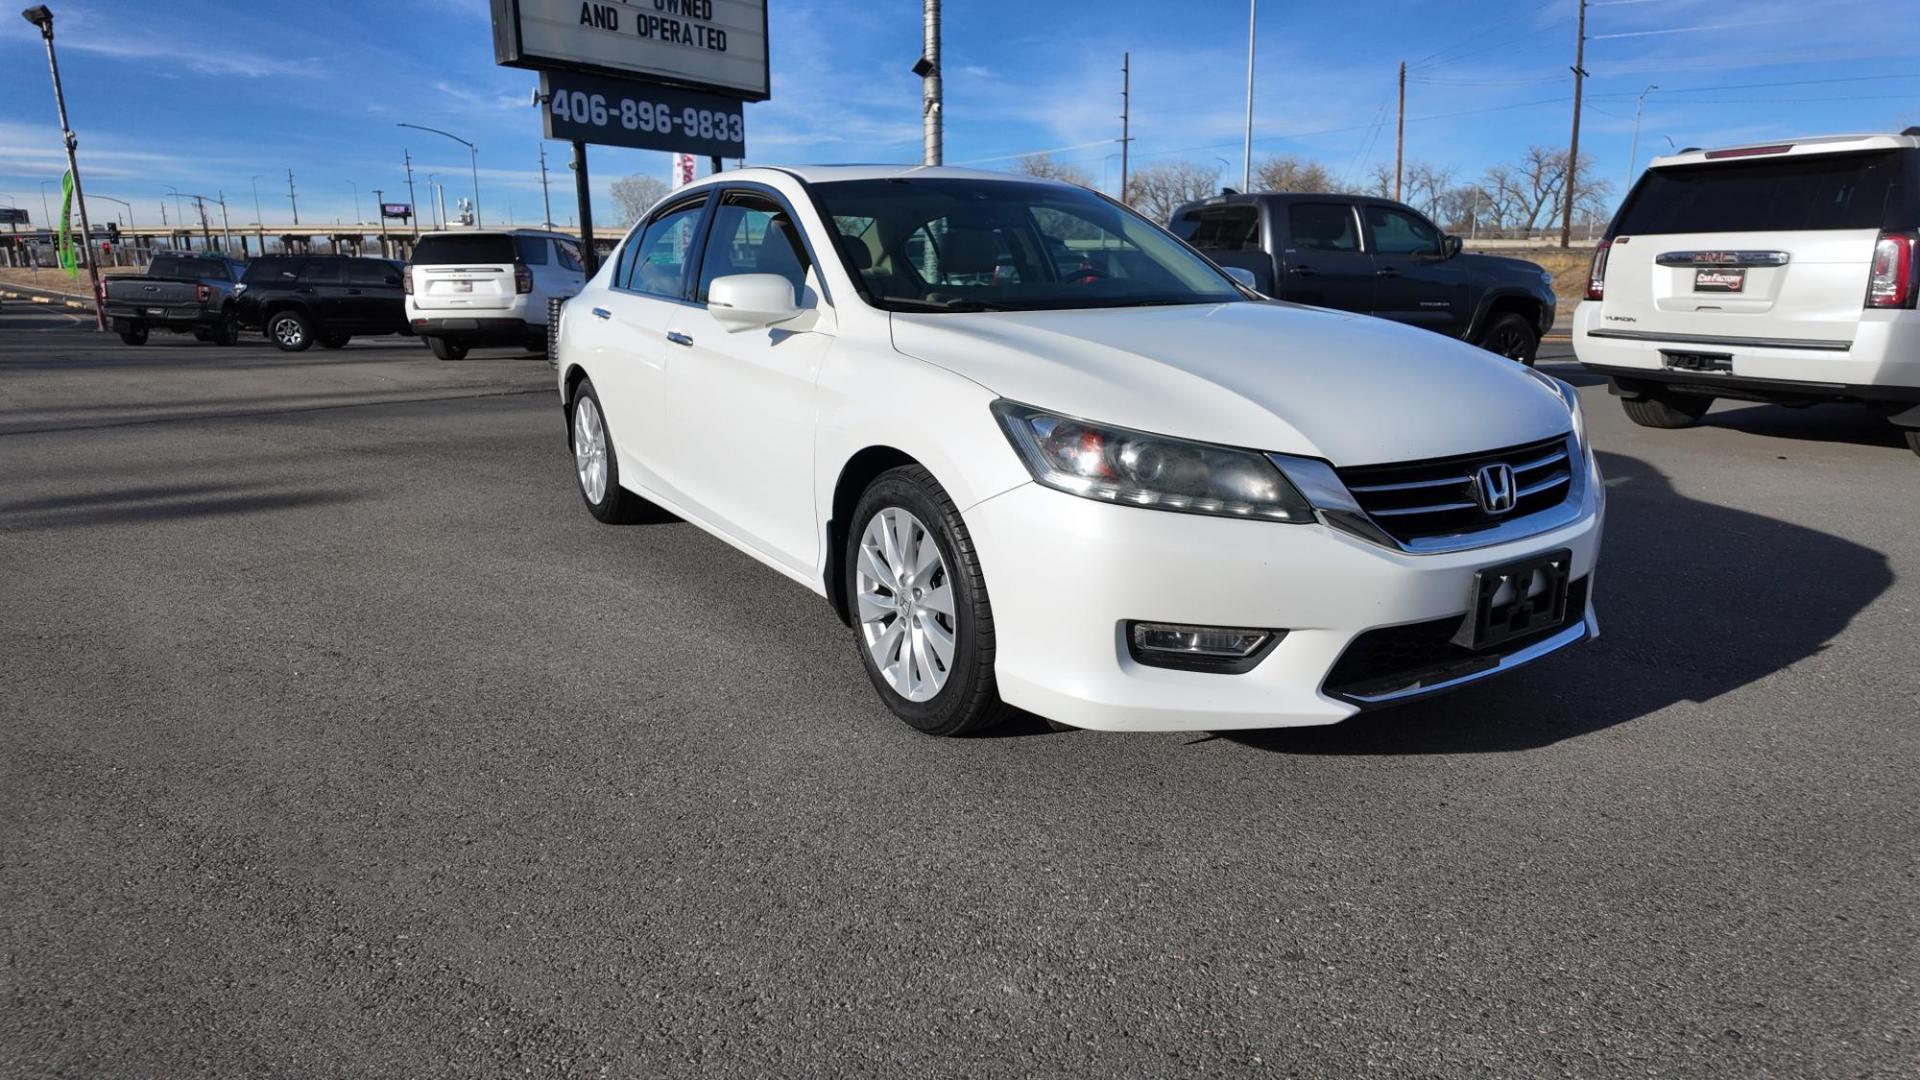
x: 922, y: 620
x: 1511, y: 335
x: 447, y: 350
x: 1913, y: 439
x: 134, y: 335
x: 1667, y: 410
x: 289, y: 331
x: 596, y: 466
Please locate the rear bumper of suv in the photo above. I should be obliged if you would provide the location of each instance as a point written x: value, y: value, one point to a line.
x: 1879, y: 362
x: 479, y: 331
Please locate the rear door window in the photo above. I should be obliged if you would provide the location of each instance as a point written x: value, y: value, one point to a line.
x: 1323, y: 227
x: 1817, y: 191
x: 464, y: 251
x: 371, y: 272
x: 1226, y: 228
x: 272, y: 270
x: 659, y: 259
x: 323, y: 272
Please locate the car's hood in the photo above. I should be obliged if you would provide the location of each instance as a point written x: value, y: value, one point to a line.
x: 1504, y: 266
x: 1270, y: 376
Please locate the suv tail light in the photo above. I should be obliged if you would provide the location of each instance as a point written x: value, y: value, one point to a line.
x: 1890, y: 284
x: 522, y: 280
x: 202, y: 293
x: 406, y: 281
x: 1597, y: 273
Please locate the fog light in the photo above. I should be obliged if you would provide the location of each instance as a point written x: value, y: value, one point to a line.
x: 1226, y: 649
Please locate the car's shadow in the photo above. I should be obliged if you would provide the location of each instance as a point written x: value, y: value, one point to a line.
x: 1694, y: 600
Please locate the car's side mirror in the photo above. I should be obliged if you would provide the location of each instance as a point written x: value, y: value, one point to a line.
x: 1451, y: 246
x: 1243, y: 275
x: 752, y: 301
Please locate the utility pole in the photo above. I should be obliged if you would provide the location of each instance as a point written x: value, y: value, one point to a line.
x: 206, y: 230
x: 1126, y: 109
x: 932, y: 98
x: 1573, y: 146
x: 226, y: 227
x: 259, y: 219
x: 546, y: 203
x: 1246, y: 173
x: 290, y: 199
x: 41, y: 18
x: 1400, y: 134
x: 1633, y: 155
x: 413, y: 208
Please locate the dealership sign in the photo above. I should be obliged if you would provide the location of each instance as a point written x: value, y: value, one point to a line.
x: 713, y: 45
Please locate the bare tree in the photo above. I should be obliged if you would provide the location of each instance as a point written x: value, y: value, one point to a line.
x: 1291, y: 174
x: 1424, y: 186
x: 636, y: 194
x: 1378, y: 182
x: 1530, y: 189
x: 1044, y: 167
x: 1158, y: 189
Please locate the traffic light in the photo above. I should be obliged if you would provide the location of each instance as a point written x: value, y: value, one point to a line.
x: 113, y: 231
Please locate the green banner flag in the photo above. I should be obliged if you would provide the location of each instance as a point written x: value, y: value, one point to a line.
x: 64, y: 249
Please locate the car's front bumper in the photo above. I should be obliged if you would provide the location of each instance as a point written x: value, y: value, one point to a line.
x: 1066, y: 575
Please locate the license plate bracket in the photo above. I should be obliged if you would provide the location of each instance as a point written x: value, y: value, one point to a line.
x: 1720, y: 279
x: 1516, y: 599
x: 1696, y: 361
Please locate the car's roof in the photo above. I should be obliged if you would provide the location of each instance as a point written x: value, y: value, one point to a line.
x: 1811, y: 144
x: 820, y: 174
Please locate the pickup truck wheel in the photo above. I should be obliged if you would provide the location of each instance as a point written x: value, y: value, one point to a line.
x: 447, y: 350
x: 1667, y: 410
x: 136, y: 335
x: 1512, y: 336
x: 289, y: 331
x: 918, y: 596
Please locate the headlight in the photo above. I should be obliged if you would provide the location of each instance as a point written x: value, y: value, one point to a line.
x: 1111, y: 464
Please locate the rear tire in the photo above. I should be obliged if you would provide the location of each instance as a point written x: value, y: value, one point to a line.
x: 968, y: 698
x: 335, y: 341
x: 289, y: 331
x: 1511, y: 335
x: 597, y: 467
x: 136, y: 335
x: 447, y: 350
x: 1667, y: 410
x: 226, y: 332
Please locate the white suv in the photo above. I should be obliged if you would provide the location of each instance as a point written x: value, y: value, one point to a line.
x: 474, y: 289
x: 1037, y: 452
x: 1782, y: 273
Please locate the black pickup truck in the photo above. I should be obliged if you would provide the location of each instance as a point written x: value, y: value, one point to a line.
x: 1377, y: 257
x: 182, y: 293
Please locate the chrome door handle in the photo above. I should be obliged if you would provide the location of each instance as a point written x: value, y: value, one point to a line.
x: 602, y: 313
x: 679, y: 338
x: 1388, y: 272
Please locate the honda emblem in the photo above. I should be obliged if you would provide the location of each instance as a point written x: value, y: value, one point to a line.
x: 1493, y: 488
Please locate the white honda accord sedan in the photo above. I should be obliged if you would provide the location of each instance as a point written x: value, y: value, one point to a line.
x: 1038, y: 453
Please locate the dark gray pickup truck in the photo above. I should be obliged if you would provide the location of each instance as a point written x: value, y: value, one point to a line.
x: 1377, y: 257
x: 182, y: 293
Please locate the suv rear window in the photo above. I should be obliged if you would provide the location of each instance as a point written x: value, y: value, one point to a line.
x: 459, y: 250
x: 533, y: 249
x: 1823, y: 191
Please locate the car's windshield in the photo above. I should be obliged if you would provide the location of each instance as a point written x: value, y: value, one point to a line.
x: 926, y: 244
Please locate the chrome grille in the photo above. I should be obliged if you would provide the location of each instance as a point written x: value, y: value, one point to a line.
x: 554, y: 304
x: 1439, y: 497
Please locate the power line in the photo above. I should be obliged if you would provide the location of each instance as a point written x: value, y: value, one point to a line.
x: 1762, y: 85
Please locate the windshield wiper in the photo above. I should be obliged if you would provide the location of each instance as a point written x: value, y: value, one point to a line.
x: 1160, y: 301
x: 947, y: 305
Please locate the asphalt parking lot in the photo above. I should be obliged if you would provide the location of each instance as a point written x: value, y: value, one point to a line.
x: 336, y: 738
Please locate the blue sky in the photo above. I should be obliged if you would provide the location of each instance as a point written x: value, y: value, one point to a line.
x: 204, y: 95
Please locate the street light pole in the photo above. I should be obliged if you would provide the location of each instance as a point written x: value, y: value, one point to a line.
x: 473, y: 163
x: 357, y: 219
x: 1246, y: 174
x: 129, y: 207
x: 380, y: 203
x: 46, y: 215
x: 43, y: 18
x: 259, y: 219
x: 226, y: 227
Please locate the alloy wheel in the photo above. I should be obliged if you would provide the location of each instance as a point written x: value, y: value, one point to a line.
x: 287, y: 332
x: 905, y: 597
x: 590, y: 449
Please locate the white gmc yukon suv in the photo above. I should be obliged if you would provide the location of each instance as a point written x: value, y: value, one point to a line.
x: 1781, y: 273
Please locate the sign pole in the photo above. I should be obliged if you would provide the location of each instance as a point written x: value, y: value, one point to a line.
x: 583, y: 192
x: 43, y: 19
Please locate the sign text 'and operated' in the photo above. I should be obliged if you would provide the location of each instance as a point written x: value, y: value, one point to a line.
x: 719, y: 46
